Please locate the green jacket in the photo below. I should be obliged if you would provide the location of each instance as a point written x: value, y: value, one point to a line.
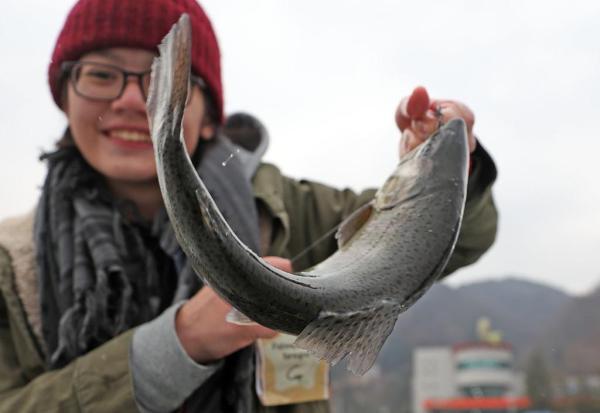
x: 294, y: 214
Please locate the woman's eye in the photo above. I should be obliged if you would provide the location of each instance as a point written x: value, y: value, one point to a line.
x: 101, y: 75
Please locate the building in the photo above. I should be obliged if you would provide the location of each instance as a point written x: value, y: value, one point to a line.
x: 473, y: 377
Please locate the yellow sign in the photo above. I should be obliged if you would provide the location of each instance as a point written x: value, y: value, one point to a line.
x: 485, y: 332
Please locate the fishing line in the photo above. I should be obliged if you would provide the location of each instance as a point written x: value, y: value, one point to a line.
x: 319, y: 240
x: 313, y: 244
x: 326, y: 235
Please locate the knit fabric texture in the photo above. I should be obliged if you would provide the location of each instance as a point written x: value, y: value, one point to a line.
x: 100, y: 24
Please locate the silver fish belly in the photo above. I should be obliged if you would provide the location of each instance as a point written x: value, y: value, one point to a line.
x: 390, y: 251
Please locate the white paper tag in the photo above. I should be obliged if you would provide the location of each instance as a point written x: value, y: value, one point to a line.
x: 287, y: 374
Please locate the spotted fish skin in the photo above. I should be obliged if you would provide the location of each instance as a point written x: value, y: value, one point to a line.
x: 390, y: 252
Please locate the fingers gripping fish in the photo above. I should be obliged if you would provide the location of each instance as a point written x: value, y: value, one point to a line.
x: 390, y: 251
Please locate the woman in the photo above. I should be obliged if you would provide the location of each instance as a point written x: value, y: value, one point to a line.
x: 99, y: 310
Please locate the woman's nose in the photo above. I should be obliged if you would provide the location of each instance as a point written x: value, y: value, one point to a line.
x: 132, y: 98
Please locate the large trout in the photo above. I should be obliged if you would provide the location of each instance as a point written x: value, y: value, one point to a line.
x: 390, y: 251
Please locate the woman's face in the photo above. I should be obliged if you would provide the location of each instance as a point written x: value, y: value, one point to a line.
x: 113, y: 136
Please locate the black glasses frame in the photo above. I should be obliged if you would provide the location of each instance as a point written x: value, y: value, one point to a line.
x: 70, y: 68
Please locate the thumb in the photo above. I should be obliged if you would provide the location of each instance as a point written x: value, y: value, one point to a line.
x: 413, y: 107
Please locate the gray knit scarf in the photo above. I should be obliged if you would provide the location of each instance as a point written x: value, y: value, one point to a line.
x: 98, y: 275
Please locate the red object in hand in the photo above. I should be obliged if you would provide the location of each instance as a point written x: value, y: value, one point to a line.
x: 418, y: 103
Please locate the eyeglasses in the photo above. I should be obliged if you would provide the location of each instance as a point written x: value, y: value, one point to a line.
x: 103, y: 82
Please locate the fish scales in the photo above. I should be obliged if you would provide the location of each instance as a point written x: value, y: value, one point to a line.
x: 391, y: 251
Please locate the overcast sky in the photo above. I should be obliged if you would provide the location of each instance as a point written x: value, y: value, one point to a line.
x: 325, y: 77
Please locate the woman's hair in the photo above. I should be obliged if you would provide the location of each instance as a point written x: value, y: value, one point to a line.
x: 66, y: 140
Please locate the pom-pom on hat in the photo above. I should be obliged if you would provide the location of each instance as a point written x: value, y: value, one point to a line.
x: 100, y: 24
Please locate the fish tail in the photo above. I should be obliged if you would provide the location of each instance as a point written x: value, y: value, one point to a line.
x: 358, y: 335
x: 170, y: 80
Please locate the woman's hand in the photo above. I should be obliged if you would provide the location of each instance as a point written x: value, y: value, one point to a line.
x: 205, y: 334
x: 418, y: 117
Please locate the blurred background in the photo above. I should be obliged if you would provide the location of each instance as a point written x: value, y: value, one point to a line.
x: 325, y: 79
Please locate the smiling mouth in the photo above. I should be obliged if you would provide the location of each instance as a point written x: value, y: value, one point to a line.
x: 130, y: 136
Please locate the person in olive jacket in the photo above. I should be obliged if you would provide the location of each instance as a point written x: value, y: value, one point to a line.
x: 99, y: 309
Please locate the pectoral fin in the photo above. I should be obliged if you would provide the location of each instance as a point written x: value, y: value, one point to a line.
x: 236, y: 317
x: 353, y: 223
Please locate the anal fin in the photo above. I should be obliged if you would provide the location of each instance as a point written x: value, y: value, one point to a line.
x: 236, y: 317
x: 358, y: 335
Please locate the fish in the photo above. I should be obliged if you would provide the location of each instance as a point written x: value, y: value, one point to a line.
x: 390, y: 252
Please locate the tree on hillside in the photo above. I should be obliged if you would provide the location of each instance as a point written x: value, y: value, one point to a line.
x: 539, y: 382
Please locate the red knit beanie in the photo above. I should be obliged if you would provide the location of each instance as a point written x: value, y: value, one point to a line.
x: 99, y: 24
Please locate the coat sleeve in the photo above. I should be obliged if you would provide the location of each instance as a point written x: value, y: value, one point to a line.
x: 99, y: 381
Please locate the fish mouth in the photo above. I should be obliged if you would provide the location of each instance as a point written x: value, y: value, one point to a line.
x: 442, y: 152
x: 454, y: 129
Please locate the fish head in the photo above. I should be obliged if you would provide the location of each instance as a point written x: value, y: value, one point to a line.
x: 439, y: 163
x: 446, y: 152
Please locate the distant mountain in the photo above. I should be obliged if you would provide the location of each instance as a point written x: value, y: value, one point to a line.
x: 520, y: 309
x: 572, y: 342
